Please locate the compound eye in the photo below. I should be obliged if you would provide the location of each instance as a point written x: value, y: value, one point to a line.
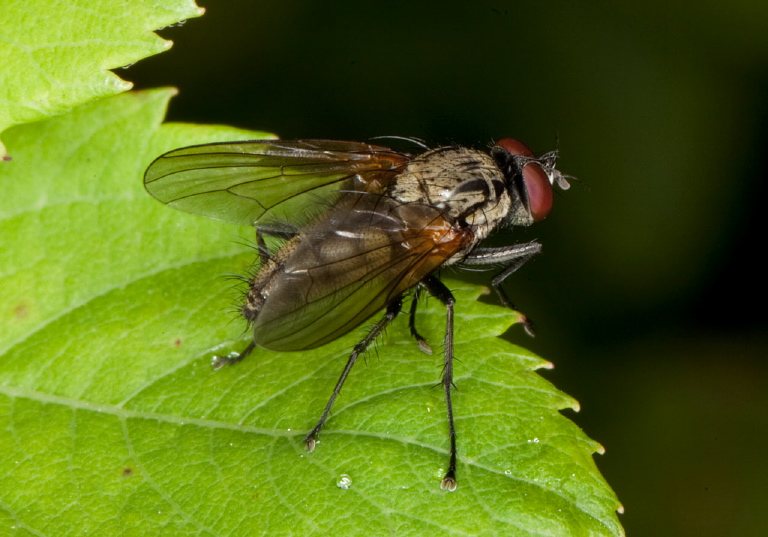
x: 536, y: 180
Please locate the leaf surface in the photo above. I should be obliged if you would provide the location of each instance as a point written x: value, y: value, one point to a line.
x: 56, y: 55
x: 115, y: 424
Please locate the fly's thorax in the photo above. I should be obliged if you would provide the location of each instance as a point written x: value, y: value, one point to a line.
x: 466, y: 185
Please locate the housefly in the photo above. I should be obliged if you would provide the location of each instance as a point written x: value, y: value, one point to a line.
x: 363, y: 225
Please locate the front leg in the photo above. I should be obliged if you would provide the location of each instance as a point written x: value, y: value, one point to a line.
x: 513, y: 257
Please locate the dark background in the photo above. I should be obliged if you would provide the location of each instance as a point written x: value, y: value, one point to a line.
x: 650, y: 294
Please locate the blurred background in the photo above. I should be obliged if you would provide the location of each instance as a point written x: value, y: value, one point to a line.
x: 650, y: 296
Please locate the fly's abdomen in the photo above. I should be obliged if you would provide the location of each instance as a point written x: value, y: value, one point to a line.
x: 350, y: 264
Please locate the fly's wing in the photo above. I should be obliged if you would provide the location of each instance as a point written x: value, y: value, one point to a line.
x: 350, y: 264
x: 245, y: 182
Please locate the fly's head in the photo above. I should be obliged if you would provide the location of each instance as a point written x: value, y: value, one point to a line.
x: 528, y: 180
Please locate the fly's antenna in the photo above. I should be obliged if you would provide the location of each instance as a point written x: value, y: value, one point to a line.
x: 548, y: 162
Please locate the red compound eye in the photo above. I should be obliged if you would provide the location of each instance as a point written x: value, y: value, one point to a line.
x: 536, y: 180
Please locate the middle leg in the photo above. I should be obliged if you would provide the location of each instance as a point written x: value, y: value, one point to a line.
x: 392, y: 310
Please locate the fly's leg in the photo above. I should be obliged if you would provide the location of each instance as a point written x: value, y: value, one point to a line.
x: 514, y: 257
x: 233, y: 358
x: 496, y: 283
x: 423, y: 345
x: 279, y: 231
x: 392, y: 310
x: 438, y: 289
x: 262, y: 246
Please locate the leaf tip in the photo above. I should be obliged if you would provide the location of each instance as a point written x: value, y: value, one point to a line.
x: 545, y: 365
x: 118, y: 85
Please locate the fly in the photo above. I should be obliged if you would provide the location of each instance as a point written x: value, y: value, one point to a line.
x: 363, y: 225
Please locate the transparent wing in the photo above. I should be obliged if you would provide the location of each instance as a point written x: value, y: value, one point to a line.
x: 245, y: 182
x: 350, y: 264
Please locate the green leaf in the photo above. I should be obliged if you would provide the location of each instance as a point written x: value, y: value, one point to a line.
x: 56, y: 55
x: 115, y: 424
